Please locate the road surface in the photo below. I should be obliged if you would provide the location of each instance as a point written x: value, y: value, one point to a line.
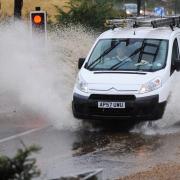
x: 70, y: 151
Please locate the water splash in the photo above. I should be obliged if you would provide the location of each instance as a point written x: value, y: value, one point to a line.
x: 170, y: 123
x: 42, y: 75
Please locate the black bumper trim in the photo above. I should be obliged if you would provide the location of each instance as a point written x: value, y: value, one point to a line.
x: 143, y: 108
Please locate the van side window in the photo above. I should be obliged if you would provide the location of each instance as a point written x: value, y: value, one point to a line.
x: 175, y: 55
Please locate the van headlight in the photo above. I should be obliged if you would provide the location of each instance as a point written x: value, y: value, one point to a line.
x: 128, y: 12
x: 81, y: 84
x: 141, y: 11
x: 151, y: 86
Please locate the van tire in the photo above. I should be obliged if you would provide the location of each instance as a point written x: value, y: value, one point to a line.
x: 75, y: 114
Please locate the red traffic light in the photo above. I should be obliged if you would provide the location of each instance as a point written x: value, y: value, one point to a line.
x: 37, y: 19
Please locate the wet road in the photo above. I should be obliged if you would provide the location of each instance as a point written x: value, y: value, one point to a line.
x: 69, y: 151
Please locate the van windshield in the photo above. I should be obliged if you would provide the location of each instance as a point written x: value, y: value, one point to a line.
x: 129, y: 55
x: 130, y: 6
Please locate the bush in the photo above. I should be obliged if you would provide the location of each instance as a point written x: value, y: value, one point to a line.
x: 20, y: 167
x: 91, y: 13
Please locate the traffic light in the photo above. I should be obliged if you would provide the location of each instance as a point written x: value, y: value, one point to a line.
x: 38, y: 20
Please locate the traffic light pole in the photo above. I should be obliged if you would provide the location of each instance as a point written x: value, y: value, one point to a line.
x: 139, y: 7
x: 18, y: 4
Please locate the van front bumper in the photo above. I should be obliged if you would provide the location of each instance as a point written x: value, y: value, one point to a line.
x: 144, y: 108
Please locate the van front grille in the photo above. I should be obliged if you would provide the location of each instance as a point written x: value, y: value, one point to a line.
x: 111, y: 112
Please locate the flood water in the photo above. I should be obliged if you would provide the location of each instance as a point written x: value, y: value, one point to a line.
x: 37, y: 78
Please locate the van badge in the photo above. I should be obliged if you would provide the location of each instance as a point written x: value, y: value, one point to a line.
x: 113, y: 88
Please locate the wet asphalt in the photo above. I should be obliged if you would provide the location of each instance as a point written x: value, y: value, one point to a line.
x: 67, y: 151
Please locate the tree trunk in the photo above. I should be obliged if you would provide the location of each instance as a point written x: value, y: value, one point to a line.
x: 139, y: 6
x: 0, y: 9
x: 18, y: 4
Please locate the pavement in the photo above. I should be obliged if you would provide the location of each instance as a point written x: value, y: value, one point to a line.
x: 166, y: 171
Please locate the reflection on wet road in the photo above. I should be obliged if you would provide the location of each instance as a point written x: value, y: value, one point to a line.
x: 117, y: 143
x: 124, y: 153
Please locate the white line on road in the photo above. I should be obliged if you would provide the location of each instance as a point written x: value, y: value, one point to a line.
x: 21, y: 134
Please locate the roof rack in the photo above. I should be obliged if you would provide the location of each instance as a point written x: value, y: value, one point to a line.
x: 154, y: 22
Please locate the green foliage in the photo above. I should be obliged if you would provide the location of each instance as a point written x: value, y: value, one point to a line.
x: 91, y: 13
x: 21, y: 166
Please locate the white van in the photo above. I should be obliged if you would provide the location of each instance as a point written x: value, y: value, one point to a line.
x: 128, y: 73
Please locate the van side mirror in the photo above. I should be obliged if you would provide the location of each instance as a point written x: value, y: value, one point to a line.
x: 81, y: 62
x: 177, y: 64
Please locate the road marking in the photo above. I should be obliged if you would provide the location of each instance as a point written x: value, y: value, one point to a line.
x: 21, y: 134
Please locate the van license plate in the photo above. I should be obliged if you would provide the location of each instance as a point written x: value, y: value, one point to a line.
x: 111, y: 105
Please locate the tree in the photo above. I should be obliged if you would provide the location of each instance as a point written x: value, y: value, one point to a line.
x: 18, y: 4
x: 92, y: 13
x: 20, y: 167
x: 0, y: 8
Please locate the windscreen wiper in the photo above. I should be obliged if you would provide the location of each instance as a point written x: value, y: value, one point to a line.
x: 107, y: 51
x: 119, y: 64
